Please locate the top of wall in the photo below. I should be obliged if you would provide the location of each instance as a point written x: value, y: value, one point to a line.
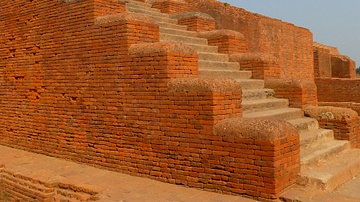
x: 332, y: 50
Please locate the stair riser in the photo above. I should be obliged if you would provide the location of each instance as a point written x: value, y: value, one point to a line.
x: 172, y: 26
x: 251, y: 84
x: 137, y: 4
x: 224, y: 74
x: 307, y: 126
x: 213, y: 57
x: 209, y: 65
x: 182, y: 39
x: 265, y: 106
x: 177, y: 32
x: 257, y: 94
x: 149, y: 12
x: 324, y: 156
x: 204, y: 48
x: 318, y: 139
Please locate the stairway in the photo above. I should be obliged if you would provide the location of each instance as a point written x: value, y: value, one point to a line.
x: 326, y: 163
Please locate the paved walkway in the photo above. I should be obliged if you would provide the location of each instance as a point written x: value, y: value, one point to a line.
x: 113, y: 186
x: 349, y: 192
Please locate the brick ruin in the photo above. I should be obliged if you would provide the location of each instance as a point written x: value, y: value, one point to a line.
x: 95, y: 82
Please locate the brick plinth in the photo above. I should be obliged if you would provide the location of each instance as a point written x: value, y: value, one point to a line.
x: 263, y: 66
x: 351, y: 105
x: 344, y: 122
x: 170, y: 6
x: 196, y: 21
x: 301, y: 93
x: 264, y: 156
x: 228, y: 41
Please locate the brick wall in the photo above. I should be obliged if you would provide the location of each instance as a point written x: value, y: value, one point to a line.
x: 328, y: 62
x: 338, y: 90
x: 292, y: 45
x: 102, y: 90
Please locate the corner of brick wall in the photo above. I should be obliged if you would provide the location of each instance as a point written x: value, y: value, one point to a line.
x: 301, y: 93
x: 264, y: 155
x: 170, y: 6
x: 344, y: 122
x: 263, y: 66
x: 213, y: 99
x: 227, y: 41
x: 322, y: 62
x: 161, y: 61
x: 196, y: 21
x: 343, y: 67
x: 134, y: 28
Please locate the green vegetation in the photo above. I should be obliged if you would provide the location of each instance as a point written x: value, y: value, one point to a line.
x: 226, y: 4
x: 358, y: 70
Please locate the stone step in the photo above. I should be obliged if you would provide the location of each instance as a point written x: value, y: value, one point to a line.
x: 154, y: 17
x: 253, y: 94
x: 284, y: 114
x: 136, y: 3
x: 215, y: 65
x: 172, y: 26
x: 313, y: 138
x: 204, y: 48
x: 151, y: 12
x: 224, y: 74
x: 178, y: 32
x: 320, y: 153
x: 263, y: 104
x: 305, y: 124
x: 183, y: 39
x: 334, y: 172
x: 251, y: 84
x: 213, y: 57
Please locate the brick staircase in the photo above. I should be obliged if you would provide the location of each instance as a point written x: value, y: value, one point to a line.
x: 326, y: 162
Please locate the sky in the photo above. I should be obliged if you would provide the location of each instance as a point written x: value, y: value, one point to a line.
x: 332, y: 22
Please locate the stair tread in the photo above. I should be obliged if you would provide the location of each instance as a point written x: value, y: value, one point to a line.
x: 266, y: 100
x: 308, y: 155
x: 346, y: 162
x: 270, y: 113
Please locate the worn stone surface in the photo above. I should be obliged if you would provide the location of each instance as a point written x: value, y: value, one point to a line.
x: 257, y: 128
